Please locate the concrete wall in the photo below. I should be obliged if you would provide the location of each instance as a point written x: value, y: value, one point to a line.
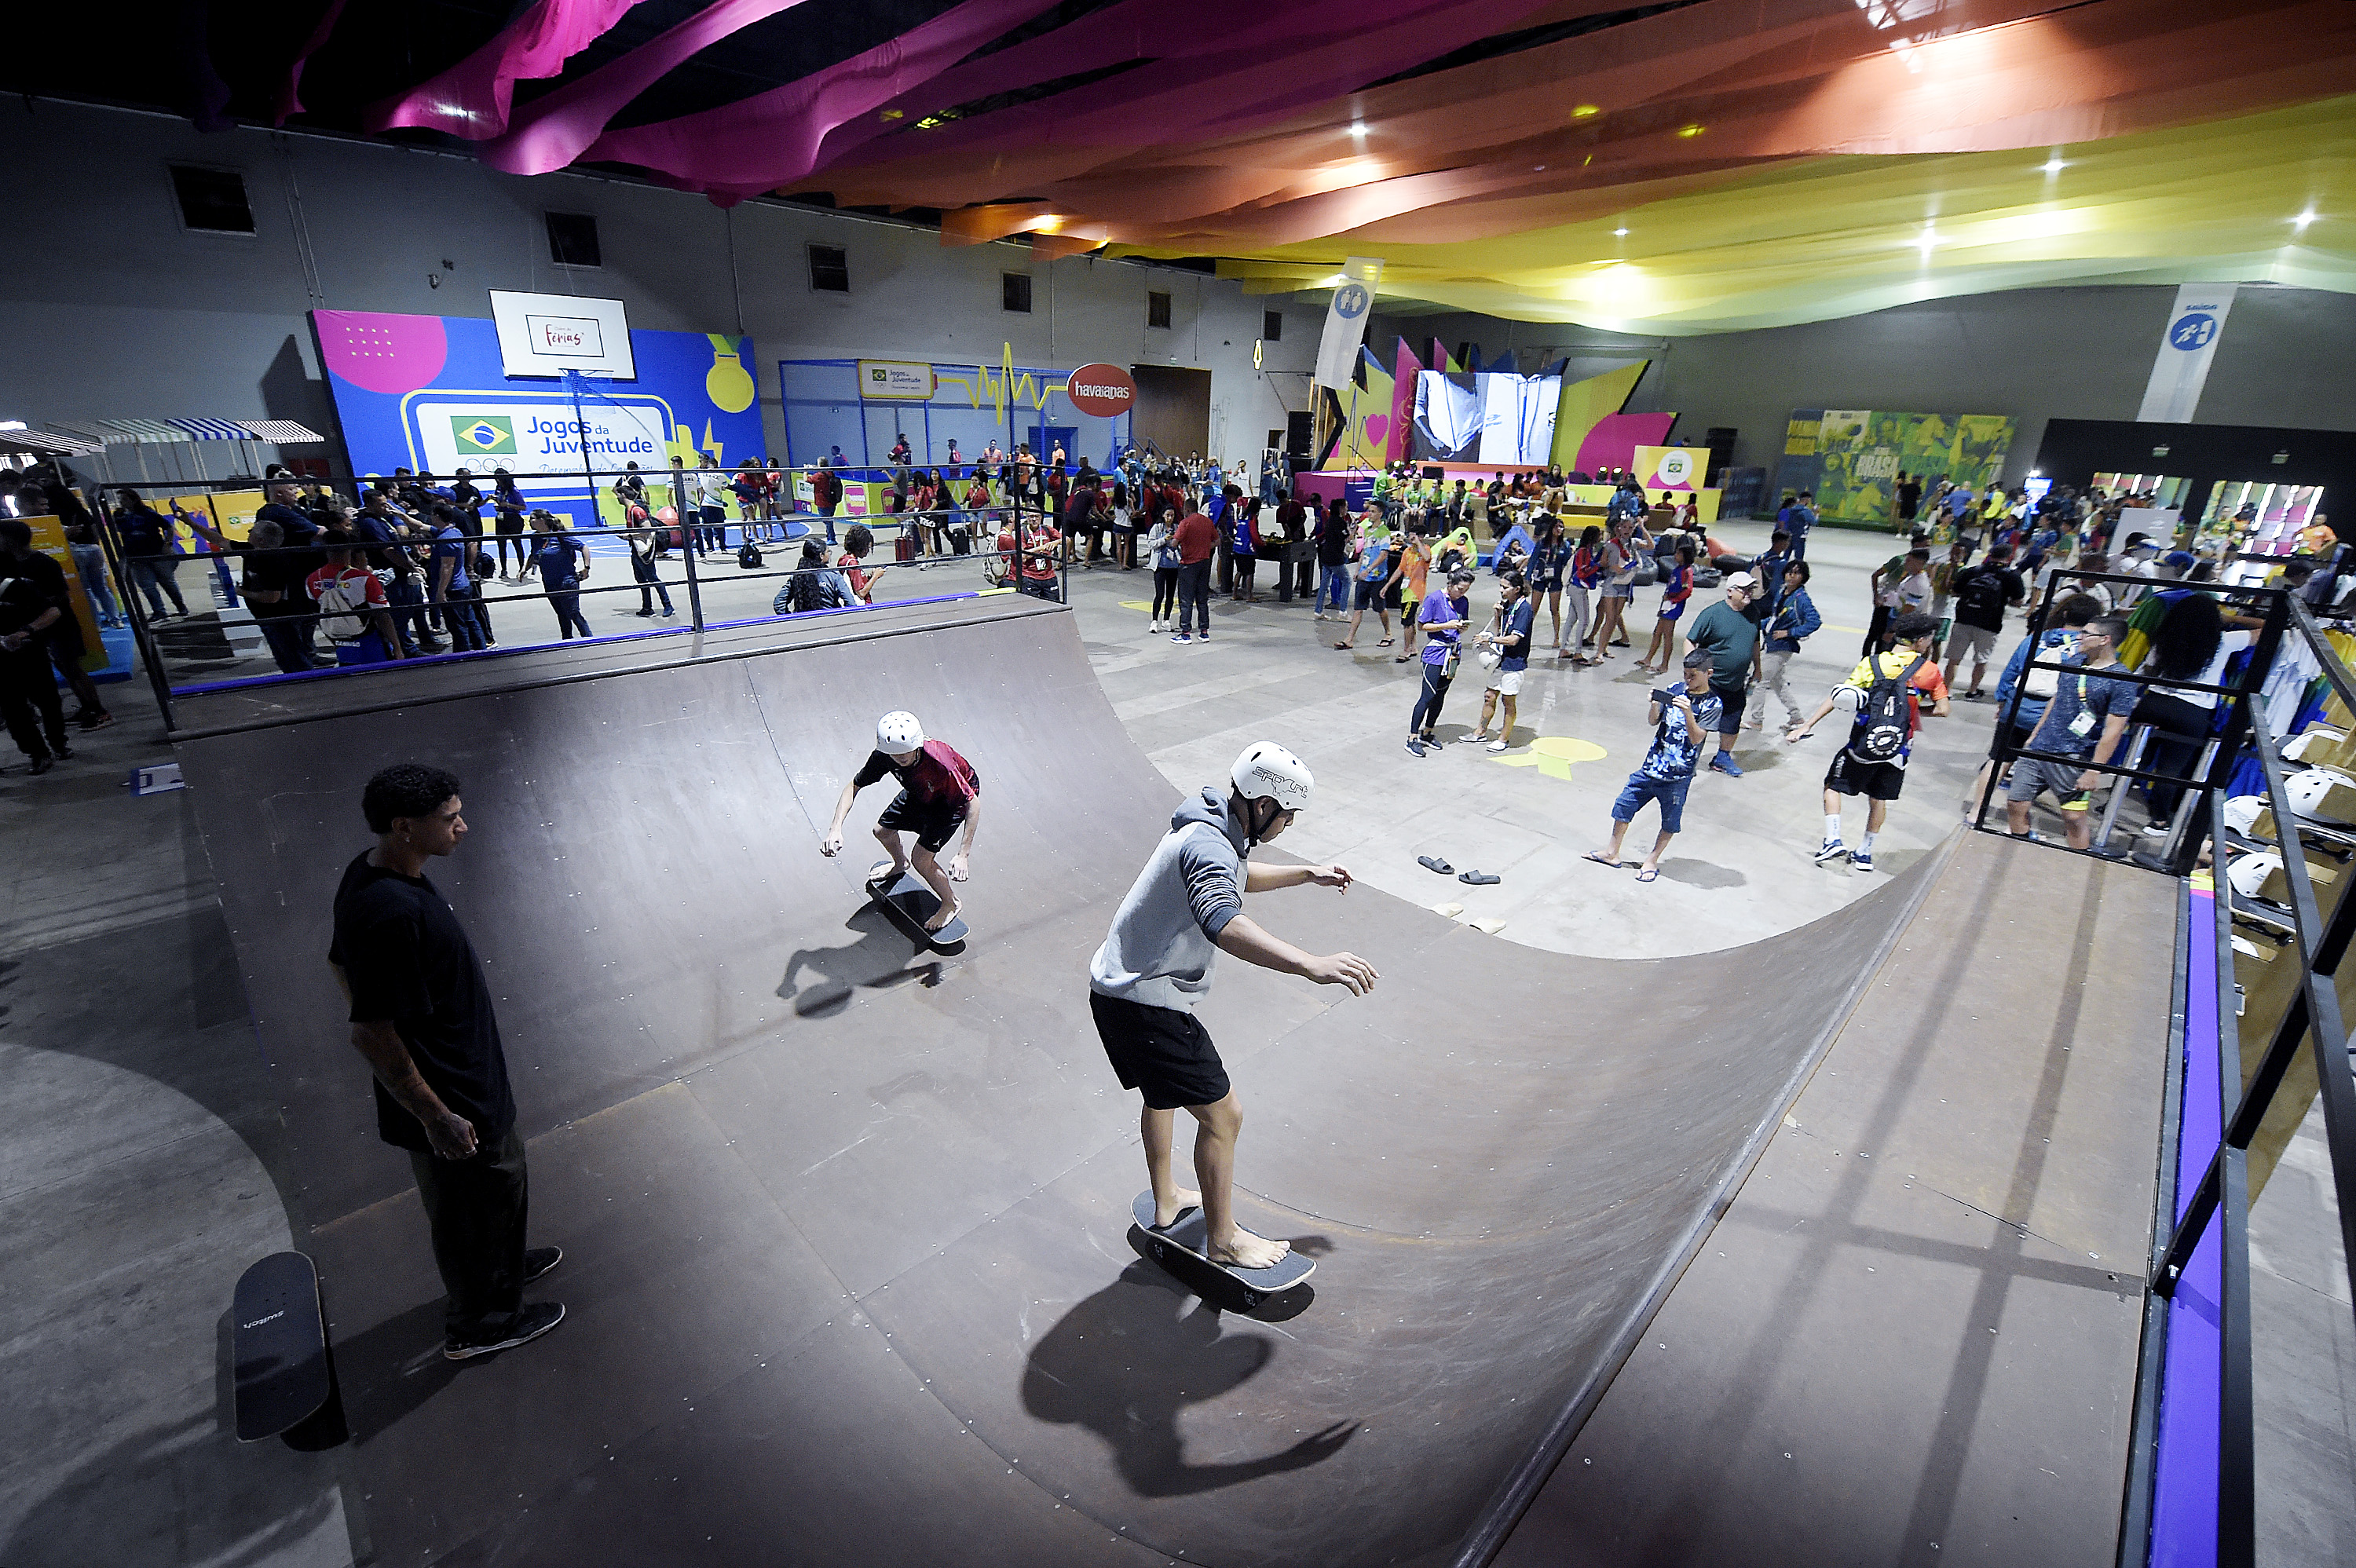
x: 2034, y: 354
x: 121, y: 312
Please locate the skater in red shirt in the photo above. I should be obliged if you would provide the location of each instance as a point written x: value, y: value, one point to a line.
x: 940, y: 794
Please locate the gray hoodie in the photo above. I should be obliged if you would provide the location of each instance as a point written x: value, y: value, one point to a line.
x: 1165, y: 934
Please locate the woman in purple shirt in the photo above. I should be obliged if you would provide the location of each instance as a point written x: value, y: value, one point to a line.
x: 1443, y: 620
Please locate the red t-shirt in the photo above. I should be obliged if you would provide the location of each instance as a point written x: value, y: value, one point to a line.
x: 1197, y: 536
x: 361, y: 587
x: 1039, y: 555
x: 937, y: 777
x: 849, y: 566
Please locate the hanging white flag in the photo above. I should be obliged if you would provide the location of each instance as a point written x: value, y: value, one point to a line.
x: 1345, y: 321
x: 2185, y: 349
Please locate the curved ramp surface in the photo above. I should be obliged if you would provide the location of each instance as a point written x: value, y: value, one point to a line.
x: 845, y: 1222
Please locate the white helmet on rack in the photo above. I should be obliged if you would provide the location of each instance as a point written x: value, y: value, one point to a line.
x: 898, y: 732
x: 1266, y: 770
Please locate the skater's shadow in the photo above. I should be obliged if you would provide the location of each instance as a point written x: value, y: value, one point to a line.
x: 882, y: 955
x: 1125, y: 1363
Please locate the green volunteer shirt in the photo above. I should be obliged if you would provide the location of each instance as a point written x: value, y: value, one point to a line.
x: 1728, y: 636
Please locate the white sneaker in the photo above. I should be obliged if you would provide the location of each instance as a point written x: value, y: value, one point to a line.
x: 1833, y: 850
x: 1497, y: 745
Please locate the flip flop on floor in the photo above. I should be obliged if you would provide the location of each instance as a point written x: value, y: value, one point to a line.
x: 1434, y: 863
x: 1384, y: 644
x: 1478, y: 879
x: 1648, y: 873
x: 1600, y: 858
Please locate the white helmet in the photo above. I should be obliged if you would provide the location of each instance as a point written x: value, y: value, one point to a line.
x: 1266, y: 770
x: 898, y: 732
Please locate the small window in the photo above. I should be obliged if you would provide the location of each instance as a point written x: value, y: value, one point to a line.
x: 213, y: 201
x: 1015, y: 292
x: 573, y: 240
x: 1157, y: 311
x: 1271, y: 326
x: 829, y: 270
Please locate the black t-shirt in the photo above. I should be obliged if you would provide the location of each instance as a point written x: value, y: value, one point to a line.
x: 1909, y: 499
x: 144, y: 532
x: 409, y: 962
x: 1981, y: 593
x: 28, y: 589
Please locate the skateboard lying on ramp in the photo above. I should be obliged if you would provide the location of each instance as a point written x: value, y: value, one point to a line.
x: 285, y: 1382
x: 1178, y: 1252
x: 911, y: 902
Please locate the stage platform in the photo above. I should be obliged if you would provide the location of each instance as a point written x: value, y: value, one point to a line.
x: 843, y: 1221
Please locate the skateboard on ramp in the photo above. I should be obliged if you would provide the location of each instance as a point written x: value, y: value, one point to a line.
x: 911, y: 902
x: 1178, y: 1252
x: 286, y: 1380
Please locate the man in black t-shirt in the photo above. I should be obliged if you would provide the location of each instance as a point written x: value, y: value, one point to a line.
x: 32, y: 605
x: 1981, y: 593
x: 422, y: 1015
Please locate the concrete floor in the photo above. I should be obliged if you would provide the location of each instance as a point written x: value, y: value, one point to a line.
x: 140, y: 1144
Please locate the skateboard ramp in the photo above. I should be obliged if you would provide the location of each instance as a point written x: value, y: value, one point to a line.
x: 843, y: 1222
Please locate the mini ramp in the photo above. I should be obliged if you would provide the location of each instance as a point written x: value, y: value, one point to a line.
x: 844, y: 1224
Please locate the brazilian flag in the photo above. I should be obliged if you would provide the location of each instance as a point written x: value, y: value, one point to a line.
x: 483, y: 435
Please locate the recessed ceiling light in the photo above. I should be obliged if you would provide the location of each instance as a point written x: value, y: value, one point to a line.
x: 1620, y: 233
x: 2304, y: 219
x: 2053, y: 166
x: 1357, y: 128
x: 1690, y: 131
x: 1584, y: 109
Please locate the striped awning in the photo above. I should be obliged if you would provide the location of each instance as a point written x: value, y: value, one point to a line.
x: 213, y: 430
x: 284, y: 432
x: 150, y: 432
x: 48, y: 444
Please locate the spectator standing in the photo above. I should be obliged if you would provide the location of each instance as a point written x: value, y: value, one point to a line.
x: 1622, y: 548
x: 1768, y: 568
x: 1943, y: 588
x: 1908, y: 497
x: 1885, y: 691
x: 33, y: 604
x: 645, y: 552
x: 1333, y: 550
x: 273, y: 587
x: 2084, y: 722
x: 423, y: 1018
x: 145, y: 536
x: 711, y: 488
x: 1196, y: 537
x: 1236, y: 524
x: 1798, y: 521
x: 1162, y: 549
x: 1040, y: 545
x: 1792, y: 622
x: 1414, y: 568
x: 1445, y: 614
x: 1893, y: 584
x: 90, y: 565
x: 1676, y: 587
x: 1546, y: 570
x: 857, y: 544
x: 451, y: 584
x: 562, y: 562
x: 1517, y: 620
x: 1682, y: 717
x: 354, y: 613
x: 1375, y: 576
x: 1730, y: 639
x: 1582, y: 580
x: 506, y: 515
x: 1981, y: 593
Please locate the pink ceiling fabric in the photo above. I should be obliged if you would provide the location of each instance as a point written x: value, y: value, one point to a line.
x: 472, y: 99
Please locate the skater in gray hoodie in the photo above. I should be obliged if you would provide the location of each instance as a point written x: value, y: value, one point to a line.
x: 1155, y: 964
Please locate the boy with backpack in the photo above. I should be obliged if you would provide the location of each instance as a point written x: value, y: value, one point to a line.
x: 353, y: 610
x: 1883, y: 690
x: 1981, y: 594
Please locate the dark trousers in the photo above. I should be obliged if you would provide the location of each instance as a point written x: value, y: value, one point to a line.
x: 1427, y: 701
x: 1244, y: 566
x: 458, y: 620
x: 289, y: 640
x: 2179, y: 730
x: 36, y: 715
x: 1165, y: 594
x: 407, y: 597
x: 650, y: 583
x: 716, y: 527
x: 1194, y: 597
x: 1875, y: 628
x: 476, y: 1208
x: 568, y: 612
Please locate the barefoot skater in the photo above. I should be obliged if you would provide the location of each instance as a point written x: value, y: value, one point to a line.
x: 1155, y: 964
x: 938, y: 791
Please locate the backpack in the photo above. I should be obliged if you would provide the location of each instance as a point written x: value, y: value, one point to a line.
x: 748, y: 556
x: 1881, y: 717
x: 1982, y: 594
x: 336, y: 613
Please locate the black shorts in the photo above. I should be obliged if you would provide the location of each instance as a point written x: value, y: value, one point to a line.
x: 1875, y: 781
x: 1165, y: 1052
x: 933, y: 823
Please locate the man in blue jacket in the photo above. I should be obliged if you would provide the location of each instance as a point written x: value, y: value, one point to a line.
x: 1155, y: 964
x: 1794, y: 620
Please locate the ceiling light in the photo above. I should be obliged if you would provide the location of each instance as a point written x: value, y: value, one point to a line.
x: 2053, y: 166
x: 1929, y: 238
x: 2304, y: 219
x: 1358, y: 129
x: 1690, y: 131
x: 1620, y: 233
x: 1584, y: 109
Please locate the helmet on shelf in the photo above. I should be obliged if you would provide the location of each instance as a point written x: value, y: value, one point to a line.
x: 898, y: 732
x: 1266, y: 771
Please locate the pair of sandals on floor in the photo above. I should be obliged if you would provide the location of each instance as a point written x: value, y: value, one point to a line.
x: 1476, y: 879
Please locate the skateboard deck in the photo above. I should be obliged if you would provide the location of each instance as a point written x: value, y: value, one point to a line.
x: 279, y: 1349
x: 1178, y: 1252
x: 912, y: 902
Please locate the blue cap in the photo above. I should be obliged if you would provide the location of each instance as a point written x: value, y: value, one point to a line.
x: 2180, y: 559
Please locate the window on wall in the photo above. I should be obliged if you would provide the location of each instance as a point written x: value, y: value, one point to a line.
x: 1014, y: 292
x: 829, y: 270
x: 1157, y: 311
x: 1271, y: 326
x: 213, y: 201
x: 573, y: 240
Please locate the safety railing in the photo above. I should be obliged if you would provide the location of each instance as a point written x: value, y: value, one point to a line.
x: 2192, y: 1465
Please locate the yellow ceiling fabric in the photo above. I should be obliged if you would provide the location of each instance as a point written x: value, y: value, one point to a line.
x: 2260, y: 198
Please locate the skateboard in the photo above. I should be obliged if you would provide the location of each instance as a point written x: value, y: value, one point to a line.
x: 1178, y: 1252
x: 286, y: 1380
x: 911, y: 903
